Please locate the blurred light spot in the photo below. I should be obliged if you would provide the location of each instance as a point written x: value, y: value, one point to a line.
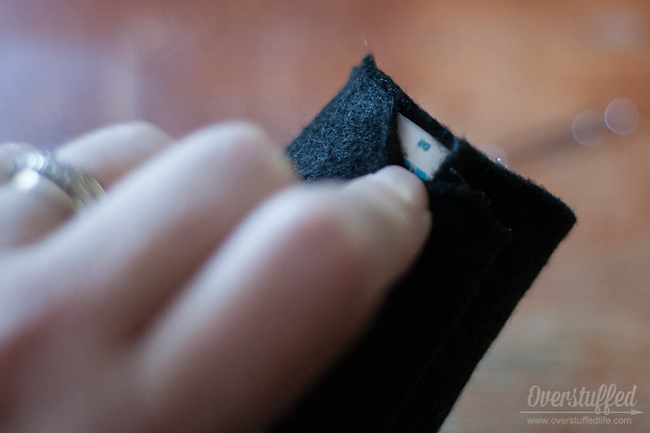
x: 495, y: 153
x: 26, y: 180
x: 622, y: 116
x: 589, y: 128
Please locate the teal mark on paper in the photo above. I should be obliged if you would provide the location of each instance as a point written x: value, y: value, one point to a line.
x: 424, y: 145
x: 417, y: 170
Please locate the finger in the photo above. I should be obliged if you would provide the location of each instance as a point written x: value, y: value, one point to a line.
x: 291, y: 287
x: 159, y: 224
x: 110, y: 153
x: 107, y: 155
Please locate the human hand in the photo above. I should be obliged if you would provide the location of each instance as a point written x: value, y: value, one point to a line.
x: 204, y: 293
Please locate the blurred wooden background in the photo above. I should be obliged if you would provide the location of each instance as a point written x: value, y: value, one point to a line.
x: 509, y: 73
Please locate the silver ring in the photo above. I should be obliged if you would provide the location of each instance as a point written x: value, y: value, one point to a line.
x: 40, y: 170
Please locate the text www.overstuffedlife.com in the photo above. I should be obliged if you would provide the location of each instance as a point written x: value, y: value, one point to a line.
x: 581, y: 420
x: 604, y: 406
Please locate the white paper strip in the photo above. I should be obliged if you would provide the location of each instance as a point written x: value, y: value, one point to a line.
x: 423, y: 153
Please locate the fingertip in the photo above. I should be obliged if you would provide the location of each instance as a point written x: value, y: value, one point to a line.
x: 405, y: 185
x: 393, y: 205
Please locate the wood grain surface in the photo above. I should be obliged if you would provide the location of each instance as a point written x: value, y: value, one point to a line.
x: 514, y: 74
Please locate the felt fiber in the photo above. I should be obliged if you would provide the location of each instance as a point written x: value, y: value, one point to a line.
x: 493, y: 231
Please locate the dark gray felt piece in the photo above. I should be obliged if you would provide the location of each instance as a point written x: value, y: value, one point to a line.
x: 493, y: 232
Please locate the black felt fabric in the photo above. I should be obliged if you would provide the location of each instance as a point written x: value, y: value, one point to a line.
x: 493, y: 232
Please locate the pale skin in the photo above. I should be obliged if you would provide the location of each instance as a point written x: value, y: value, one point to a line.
x: 205, y: 293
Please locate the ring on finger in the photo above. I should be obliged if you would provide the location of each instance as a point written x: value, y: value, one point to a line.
x: 40, y: 171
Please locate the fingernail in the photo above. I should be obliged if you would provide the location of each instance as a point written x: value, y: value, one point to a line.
x: 404, y: 185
